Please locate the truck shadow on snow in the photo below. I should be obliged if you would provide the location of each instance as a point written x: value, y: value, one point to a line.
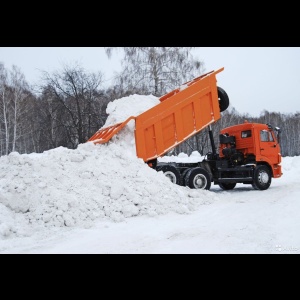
x: 239, y: 189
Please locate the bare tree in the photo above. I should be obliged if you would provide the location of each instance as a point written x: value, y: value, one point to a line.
x: 72, y: 97
x: 156, y: 70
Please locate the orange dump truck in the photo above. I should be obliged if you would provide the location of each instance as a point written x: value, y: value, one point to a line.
x: 244, y: 156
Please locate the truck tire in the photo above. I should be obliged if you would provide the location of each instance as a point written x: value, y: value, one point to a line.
x: 171, y: 172
x: 183, y: 174
x: 227, y: 186
x: 262, y: 178
x: 223, y: 99
x: 197, y: 178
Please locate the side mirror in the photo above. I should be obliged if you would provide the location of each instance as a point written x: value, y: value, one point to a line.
x: 278, y: 131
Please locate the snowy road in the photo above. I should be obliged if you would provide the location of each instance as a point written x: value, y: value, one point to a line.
x: 239, y: 221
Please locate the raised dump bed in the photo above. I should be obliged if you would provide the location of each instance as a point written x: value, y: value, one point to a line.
x: 180, y: 114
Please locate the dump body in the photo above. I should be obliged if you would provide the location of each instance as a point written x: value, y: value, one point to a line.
x: 180, y: 114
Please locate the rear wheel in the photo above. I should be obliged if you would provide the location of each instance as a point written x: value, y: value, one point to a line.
x: 262, y: 178
x: 227, y: 186
x: 197, y: 178
x: 171, y: 172
x: 183, y: 175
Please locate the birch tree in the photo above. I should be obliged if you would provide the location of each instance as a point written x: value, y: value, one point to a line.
x: 156, y: 70
x: 4, y: 133
x: 19, y: 87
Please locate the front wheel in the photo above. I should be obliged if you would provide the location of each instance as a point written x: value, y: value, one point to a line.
x: 262, y: 178
x: 197, y: 178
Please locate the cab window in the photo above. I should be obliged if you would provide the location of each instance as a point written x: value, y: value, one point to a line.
x: 246, y: 133
x: 266, y: 136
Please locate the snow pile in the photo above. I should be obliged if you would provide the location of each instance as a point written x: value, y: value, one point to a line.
x: 183, y: 158
x: 291, y: 164
x: 119, y: 110
x: 64, y: 187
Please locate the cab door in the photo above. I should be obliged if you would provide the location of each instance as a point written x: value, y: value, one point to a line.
x: 269, y: 146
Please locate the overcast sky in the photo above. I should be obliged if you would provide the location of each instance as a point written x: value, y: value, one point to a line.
x: 255, y: 78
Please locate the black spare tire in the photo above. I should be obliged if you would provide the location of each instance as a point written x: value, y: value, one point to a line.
x: 223, y: 99
x: 227, y: 186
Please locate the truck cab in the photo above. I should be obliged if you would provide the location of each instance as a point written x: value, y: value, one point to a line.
x: 258, y: 143
x: 248, y: 153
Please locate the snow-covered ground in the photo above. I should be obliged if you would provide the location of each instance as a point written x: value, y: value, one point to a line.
x: 103, y: 199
